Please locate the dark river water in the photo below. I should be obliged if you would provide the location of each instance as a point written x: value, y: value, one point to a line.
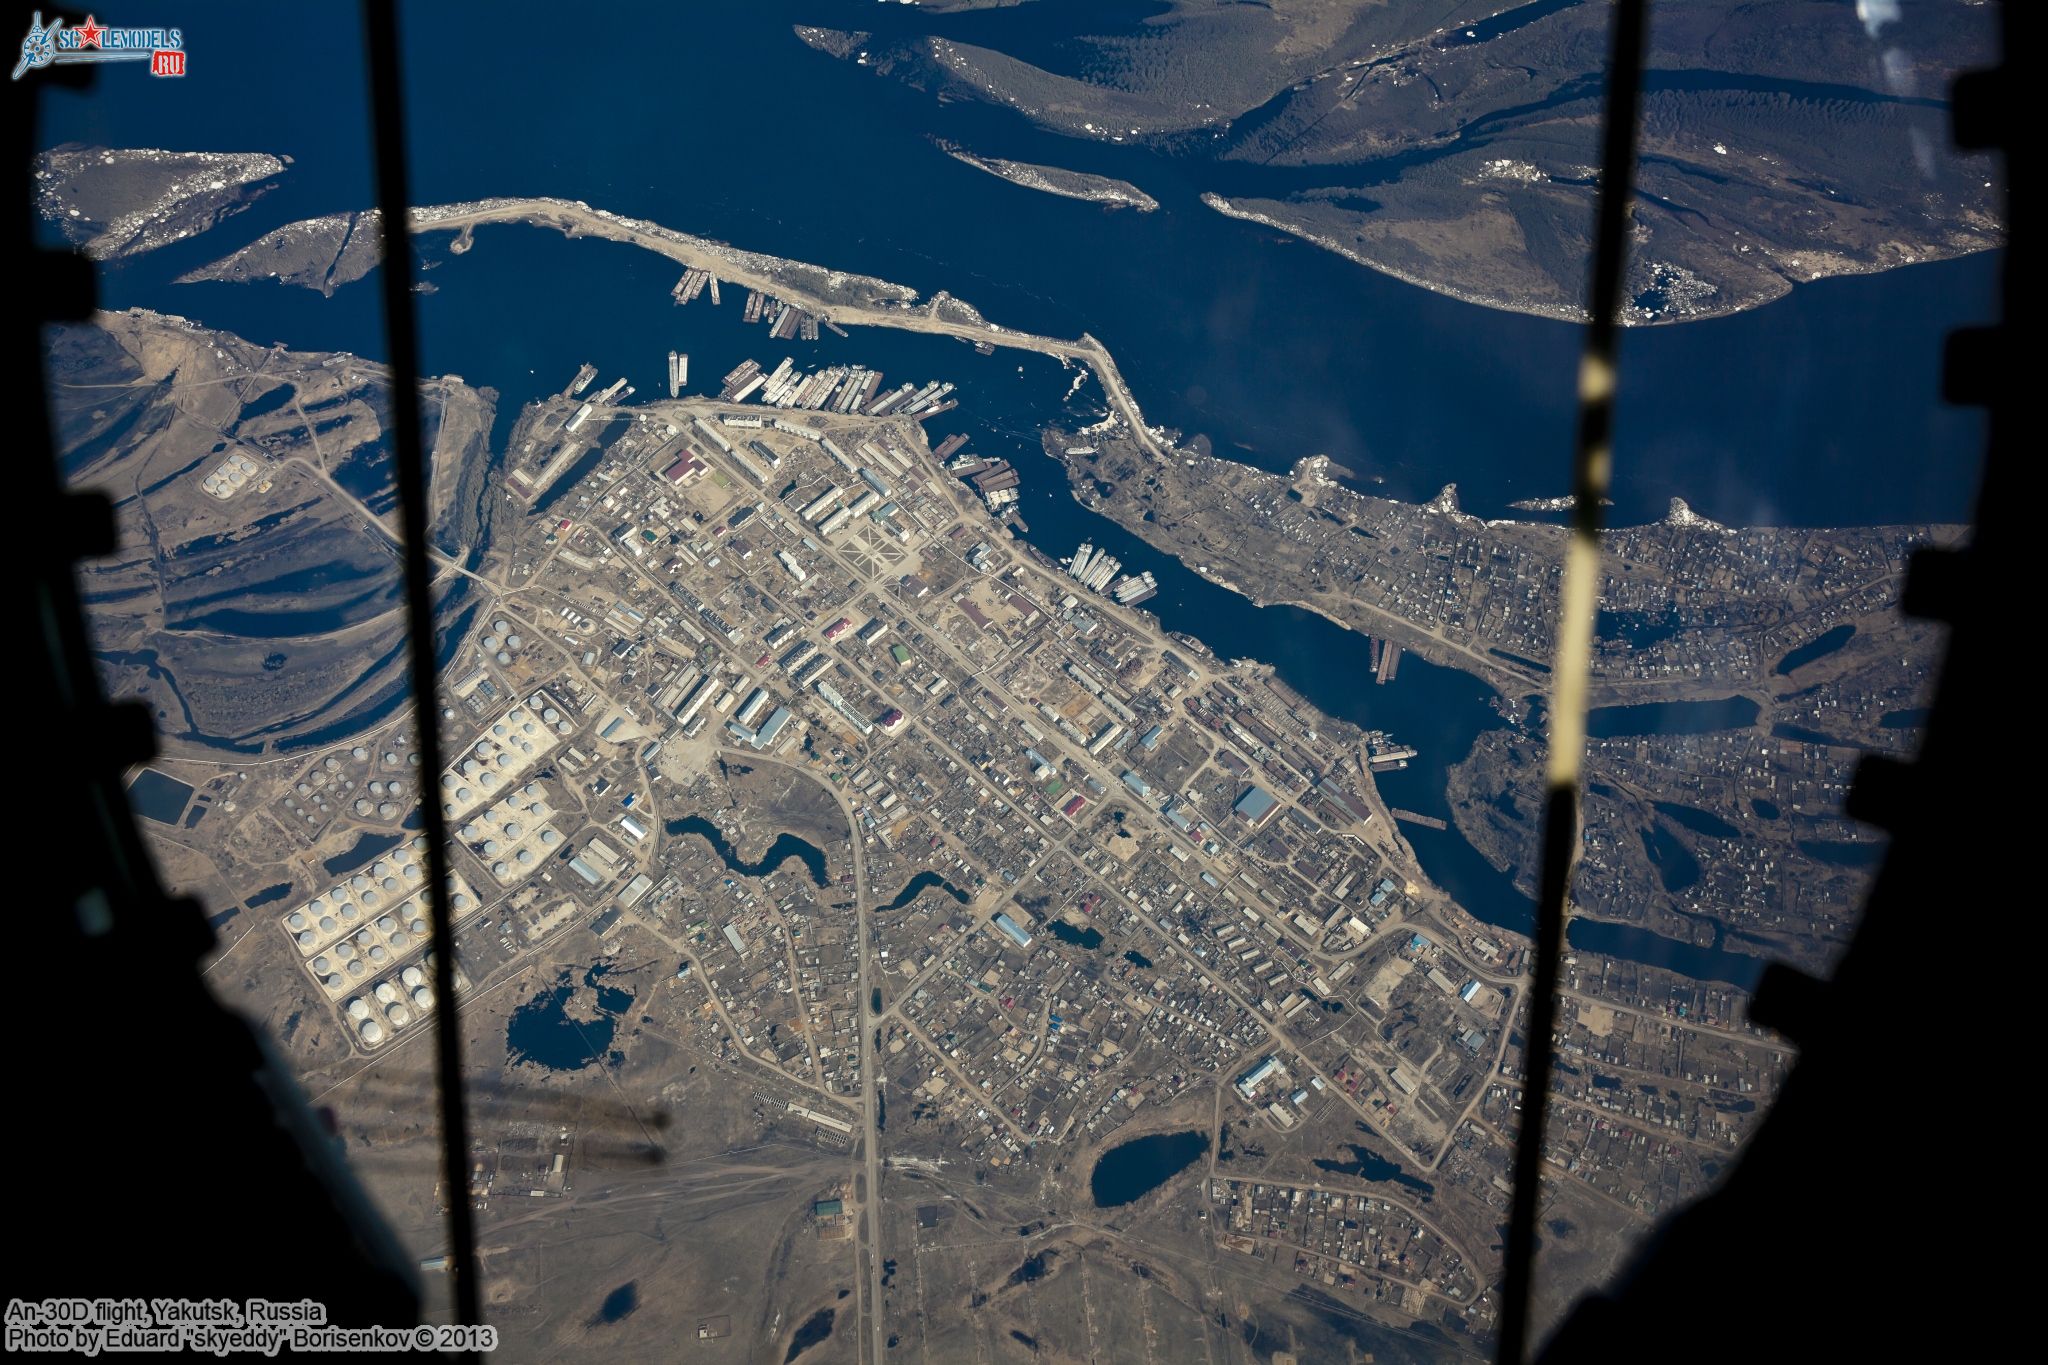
x: 1819, y: 409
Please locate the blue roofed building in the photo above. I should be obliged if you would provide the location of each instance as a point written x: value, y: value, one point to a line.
x: 1255, y: 805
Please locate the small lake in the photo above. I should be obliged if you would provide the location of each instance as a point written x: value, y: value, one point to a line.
x: 1676, y: 868
x: 1815, y: 649
x: 815, y: 1329
x: 785, y: 847
x: 1089, y: 938
x: 922, y: 882
x: 1640, y: 946
x: 367, y: 847
x: 1671, y: 718
x: 1366, y: 1164
x: 1697, y: 820
x: 1128, y: 1172
x: 158, y: 796
x: 1841, y: 853
x: 619, y: 1304
x: 541, y: 1031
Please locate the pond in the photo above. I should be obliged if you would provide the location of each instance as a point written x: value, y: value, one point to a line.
x: 1081, y: 938
x: 815, y: 1329
x: 785, y: 847
x: 1671, y: 718
x: 541, y: 1031
x: 922, y: 882
x: 366, y: 847
x: 1129, y: 1171
x: 1815, y: 649
x: 1366, y: 1164
x: 158, y: 796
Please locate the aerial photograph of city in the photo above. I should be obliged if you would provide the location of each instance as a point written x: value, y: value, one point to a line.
x: 1190, y: 682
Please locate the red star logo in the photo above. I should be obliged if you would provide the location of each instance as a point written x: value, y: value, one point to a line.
x: 88, y: 32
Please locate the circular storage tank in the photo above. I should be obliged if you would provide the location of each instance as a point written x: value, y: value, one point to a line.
x: 413, y: 977
x: 424, y: 998
x: 297, y: 919
x: 358, y: 1009
x: 386, y: 992
x: 373, y: 1032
